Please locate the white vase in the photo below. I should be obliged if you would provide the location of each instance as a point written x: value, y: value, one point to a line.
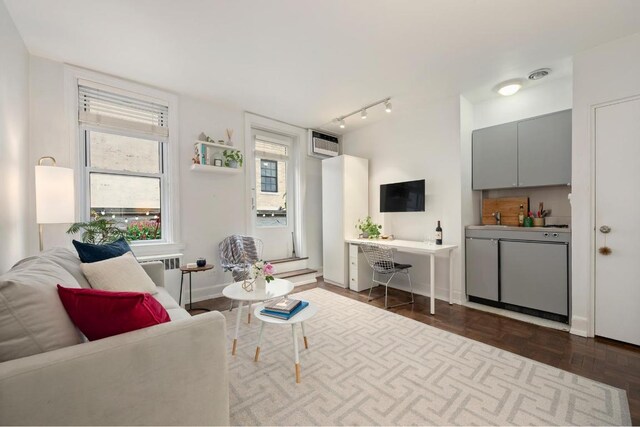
x: 261, y: 284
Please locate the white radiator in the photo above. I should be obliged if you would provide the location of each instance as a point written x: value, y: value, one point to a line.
x: 172, y: 264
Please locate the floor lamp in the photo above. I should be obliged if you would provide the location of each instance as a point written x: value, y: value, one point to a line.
x: 54, y: 195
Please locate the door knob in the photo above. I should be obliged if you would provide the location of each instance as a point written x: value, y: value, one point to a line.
x: 604, y: 249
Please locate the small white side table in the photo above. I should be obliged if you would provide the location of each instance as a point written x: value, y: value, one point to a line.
x: 307, y: 313
x: 274, y: 289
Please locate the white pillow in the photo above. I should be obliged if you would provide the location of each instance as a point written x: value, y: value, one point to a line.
x: 32, y: 318
x: 120, y: 274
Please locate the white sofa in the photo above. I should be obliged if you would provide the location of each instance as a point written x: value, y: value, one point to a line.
x: 171, y: 374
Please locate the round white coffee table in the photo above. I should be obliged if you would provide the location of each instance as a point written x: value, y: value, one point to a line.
x: 274, y: 289
x: 301, y: 317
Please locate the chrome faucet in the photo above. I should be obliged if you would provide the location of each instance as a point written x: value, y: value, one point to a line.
x: 496, y: 215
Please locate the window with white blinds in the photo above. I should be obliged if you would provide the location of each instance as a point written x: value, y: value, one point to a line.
x: 111, y: 108
x: 124, y: 138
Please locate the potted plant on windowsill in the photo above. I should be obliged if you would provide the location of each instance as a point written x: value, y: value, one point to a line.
x: 232, y: 158
x: 368, y: 228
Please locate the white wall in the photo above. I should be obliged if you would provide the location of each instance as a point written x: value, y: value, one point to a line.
x: 212, y: 206
x: 605, y: 73
x: 544, y: 98
x: 422, y: 143
x: 14, y: 115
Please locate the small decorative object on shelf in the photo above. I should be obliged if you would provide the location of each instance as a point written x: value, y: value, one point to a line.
x: 229, y: 133
x: 369, y: 229
x: 201, y: 262
x: 196, y: 157
x: 217, y: 162
x: 232, y: 158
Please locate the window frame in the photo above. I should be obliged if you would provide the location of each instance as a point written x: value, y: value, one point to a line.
x: 169, y: 197
x: 262, y: 175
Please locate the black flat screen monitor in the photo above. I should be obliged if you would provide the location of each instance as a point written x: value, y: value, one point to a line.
x: 402, y: 197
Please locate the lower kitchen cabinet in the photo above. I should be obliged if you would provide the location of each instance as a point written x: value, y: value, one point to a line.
x: 482, y: 268
x: 535, y: 275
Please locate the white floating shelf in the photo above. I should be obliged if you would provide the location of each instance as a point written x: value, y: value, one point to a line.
x: 218, y: 145
x: 215, y: 169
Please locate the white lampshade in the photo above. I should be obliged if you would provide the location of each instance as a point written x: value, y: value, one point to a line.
x: 54, y: 195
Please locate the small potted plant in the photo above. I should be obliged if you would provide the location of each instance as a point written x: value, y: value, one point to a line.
x: 232, y: 158
x: 368, y: 229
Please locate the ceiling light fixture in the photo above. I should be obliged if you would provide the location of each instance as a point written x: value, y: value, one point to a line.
x: 363, y: 111
x: 539, y: 73
x: 509, y: 87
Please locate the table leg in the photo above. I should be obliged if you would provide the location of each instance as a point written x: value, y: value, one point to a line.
x: 181, y: 281
x: 450, y: 278
x: 432, y: 284
x: 259, y: 341
x: 249, y: 313
x: 235, y: 339
x: 190, y: 293
x: 304, y: 335
x: 295, y: 350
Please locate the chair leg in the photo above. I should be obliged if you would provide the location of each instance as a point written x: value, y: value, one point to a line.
x: 410, y: 286
x: 231, y: 306
x: 373, y: 276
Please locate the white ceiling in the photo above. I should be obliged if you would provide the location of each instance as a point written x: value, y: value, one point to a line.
x: 308, y: 61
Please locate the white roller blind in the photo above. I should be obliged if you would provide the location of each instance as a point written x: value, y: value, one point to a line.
x: 117, y: 109
x: 271, y: 151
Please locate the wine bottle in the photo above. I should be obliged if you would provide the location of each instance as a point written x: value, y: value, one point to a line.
x: 438, y: 234
x: 521, y: 216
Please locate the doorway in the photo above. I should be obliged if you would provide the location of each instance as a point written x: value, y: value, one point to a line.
x: 617, y: 229
x: 272, y: 171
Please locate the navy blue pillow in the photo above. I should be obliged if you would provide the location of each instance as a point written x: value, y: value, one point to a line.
x: 89, y: 252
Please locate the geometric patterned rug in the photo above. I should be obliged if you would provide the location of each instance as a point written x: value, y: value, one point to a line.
x: 368, y: 366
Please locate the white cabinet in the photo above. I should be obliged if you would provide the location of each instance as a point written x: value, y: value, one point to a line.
x: 345, y: 199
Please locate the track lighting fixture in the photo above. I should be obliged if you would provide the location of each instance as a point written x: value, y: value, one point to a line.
x: 363, y: 111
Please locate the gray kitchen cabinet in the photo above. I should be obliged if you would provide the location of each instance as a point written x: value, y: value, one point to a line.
x: 495, y: 157
x: 535, y: 275
x: 544, y: 150
x: 482, y: 268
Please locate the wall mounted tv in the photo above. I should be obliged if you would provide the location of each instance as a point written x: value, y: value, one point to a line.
x: 402, y: 197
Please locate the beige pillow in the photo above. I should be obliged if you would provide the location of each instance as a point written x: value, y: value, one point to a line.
x: 119, y: 274
x: 32, y: 318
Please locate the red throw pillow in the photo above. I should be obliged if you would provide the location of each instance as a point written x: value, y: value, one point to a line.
x: 100, y: 314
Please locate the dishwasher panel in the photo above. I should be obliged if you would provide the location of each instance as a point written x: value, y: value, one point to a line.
x: 535, y: 275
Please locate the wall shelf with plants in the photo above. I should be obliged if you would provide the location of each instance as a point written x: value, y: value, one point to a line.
x: 212, y: 156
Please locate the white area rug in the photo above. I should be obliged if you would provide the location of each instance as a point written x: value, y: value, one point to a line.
x: 368, y: 366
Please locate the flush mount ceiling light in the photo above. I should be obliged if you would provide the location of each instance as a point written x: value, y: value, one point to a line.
x: 509, y: 87
x: 363, y: 111
x: 539, y: 73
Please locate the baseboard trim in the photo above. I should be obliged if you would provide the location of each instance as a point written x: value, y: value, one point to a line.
x: 579, y: 326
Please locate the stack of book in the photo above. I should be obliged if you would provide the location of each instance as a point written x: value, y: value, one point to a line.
x: 284, y: 308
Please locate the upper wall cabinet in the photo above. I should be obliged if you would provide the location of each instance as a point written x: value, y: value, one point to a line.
x: 528, y: 153
x: 495, y: 157
x: 544, y: 150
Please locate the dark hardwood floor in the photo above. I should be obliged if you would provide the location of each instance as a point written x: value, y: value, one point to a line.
x: 600, y: 359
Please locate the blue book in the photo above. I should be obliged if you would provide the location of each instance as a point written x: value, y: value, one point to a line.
x: 285, y: 316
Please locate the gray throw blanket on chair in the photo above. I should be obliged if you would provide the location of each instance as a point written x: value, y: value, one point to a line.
x: 237, y: 254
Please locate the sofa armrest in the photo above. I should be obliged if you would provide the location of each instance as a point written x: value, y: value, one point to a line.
x: 155, y: 270
x: 169, y: 374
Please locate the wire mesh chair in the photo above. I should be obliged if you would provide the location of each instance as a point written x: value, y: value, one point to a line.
x: 239, y: 264
x: 380, y: 259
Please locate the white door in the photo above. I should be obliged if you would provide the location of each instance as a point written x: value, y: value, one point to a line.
x: 617, y: 274
x: 272, y: 189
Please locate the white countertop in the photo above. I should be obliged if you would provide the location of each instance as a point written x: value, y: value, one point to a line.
x: 407, y: 245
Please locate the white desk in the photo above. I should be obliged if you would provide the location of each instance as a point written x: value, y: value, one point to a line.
x: 409, y: 246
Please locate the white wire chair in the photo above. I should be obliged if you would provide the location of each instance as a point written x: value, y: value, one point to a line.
x: 380, y: 259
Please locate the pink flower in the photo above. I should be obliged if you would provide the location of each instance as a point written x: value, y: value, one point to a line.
x: 268, y: 269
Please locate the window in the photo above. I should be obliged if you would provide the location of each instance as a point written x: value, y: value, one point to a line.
x: 124, y: 139
x: 269, y: 176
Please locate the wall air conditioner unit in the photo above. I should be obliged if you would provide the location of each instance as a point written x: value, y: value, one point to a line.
x: 323, y: 145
